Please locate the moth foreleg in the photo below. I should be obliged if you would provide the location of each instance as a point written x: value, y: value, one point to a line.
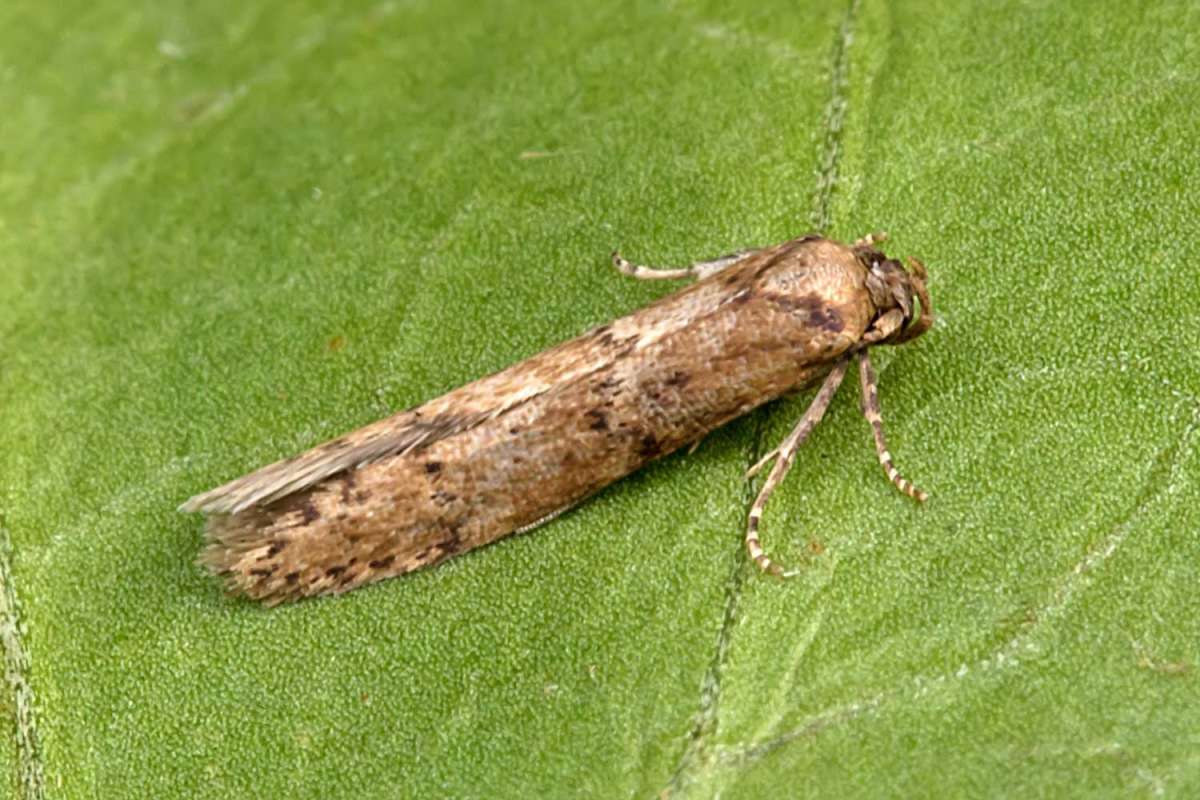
x: 887, y: 326
x: 701, y: 269
x: 871, y: 410
x: 783, y: 455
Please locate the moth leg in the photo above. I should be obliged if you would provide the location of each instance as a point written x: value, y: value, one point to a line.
x: 701, y: 269
x: 871, y: 239
x: 783, y: 456
x: 870, y: 410
x: 888, y: 325
x: 537, y: 523
x: 762, y: 462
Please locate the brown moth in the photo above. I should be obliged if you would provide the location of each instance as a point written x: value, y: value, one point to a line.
x: 515, y: 449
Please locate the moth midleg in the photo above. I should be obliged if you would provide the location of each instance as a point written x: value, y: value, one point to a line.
x: 783, y: 455
x: 701, y: 269
x: 871, y: 410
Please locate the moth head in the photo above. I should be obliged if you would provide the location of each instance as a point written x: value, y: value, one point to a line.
x: 892, y: 286
x: 889, y: 285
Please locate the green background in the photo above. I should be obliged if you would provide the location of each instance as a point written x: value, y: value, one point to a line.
x: 229, y: 231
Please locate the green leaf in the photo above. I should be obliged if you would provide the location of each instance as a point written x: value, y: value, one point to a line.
x: 230, y: 231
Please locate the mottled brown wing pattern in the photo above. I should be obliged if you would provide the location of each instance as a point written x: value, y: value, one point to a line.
x: 469, y: 405
x: 514, y: 449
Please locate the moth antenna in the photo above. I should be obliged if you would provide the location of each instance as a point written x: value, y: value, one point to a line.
x: 701, y: 269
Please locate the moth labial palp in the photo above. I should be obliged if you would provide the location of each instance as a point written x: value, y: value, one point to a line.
x: 513, y: 450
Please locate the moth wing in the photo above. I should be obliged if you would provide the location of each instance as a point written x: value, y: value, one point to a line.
x: 406, y: 432
x: 396, y: 435
x: 470, y: 405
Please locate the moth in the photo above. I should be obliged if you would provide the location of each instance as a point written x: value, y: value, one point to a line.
x: 514, y: 450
